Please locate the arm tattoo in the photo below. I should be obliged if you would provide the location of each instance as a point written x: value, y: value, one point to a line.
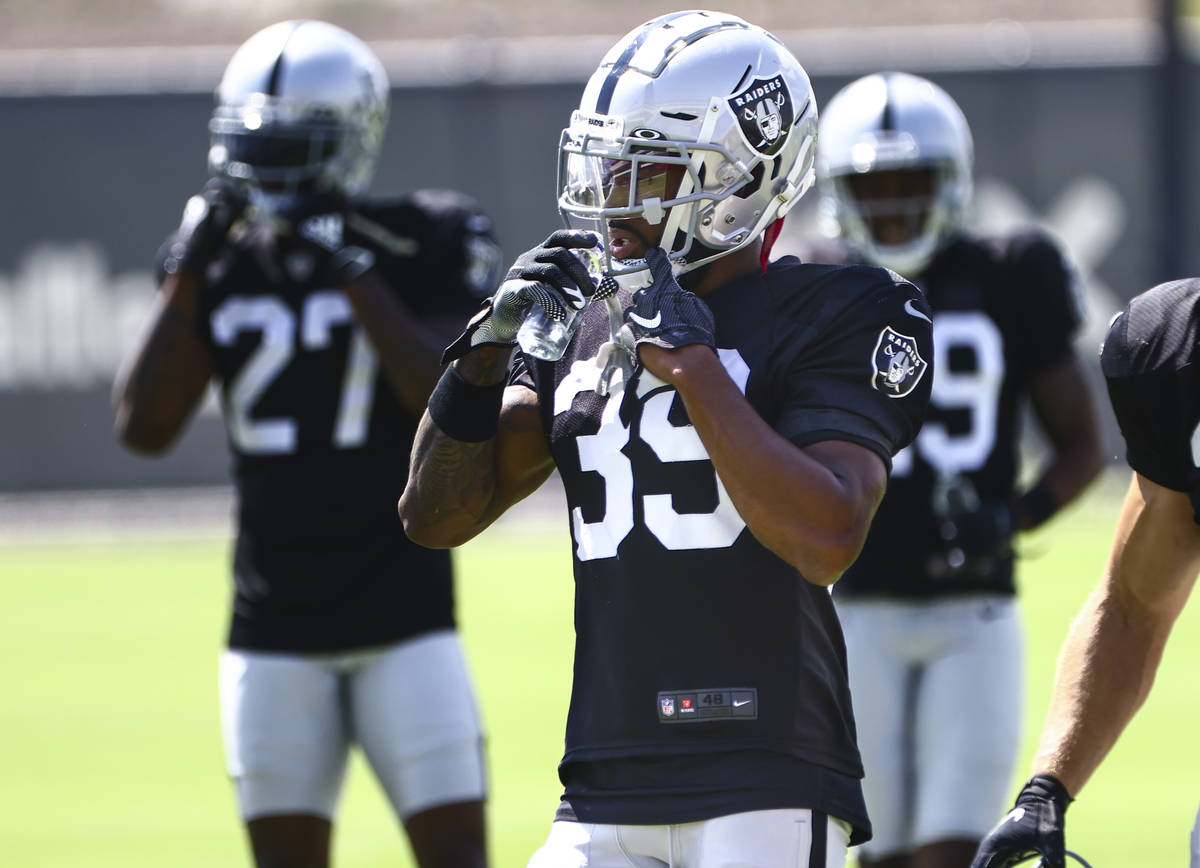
x: 454, y: 476
x: 467, y: 485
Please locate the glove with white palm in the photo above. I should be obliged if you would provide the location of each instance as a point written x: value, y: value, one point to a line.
x: 550, y: 275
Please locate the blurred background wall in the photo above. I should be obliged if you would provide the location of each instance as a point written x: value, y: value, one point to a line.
x: 1082, y: 117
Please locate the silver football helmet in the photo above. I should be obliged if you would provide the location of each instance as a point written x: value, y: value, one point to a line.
x: 301, y: 107
x: 720, y: 100
x: 886, y: 121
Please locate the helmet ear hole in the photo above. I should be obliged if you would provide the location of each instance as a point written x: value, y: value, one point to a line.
x: 749, y: 189
x: 727, y: 100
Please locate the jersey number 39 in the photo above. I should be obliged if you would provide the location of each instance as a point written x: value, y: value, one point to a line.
x: 602, y: 453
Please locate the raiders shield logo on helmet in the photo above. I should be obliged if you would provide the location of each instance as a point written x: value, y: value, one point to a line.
x: 765, y: 113
x: 897, y: 366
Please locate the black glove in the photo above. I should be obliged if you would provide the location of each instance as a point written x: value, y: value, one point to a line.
x: 320, y: 223
x: 974, y: 534
x: 550, y: 275
x: 1034, y: 827
x: 206, y: 221
x: 666, y: 314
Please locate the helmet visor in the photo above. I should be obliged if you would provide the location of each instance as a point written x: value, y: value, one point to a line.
x: 895, y: 204
x: 604, y: 179
x: 251, y: 147
x: 279, y: 151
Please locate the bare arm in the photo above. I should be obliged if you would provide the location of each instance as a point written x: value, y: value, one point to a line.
x: 1109, y: 659
x: 409, y: 352
x: 456, y: 490
x: 163, y: 381
x: 1066, y: 412
x: 812, y: 507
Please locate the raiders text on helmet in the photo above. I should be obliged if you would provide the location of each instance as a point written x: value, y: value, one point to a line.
x: 887, y: 121
x: 302, y: 106
x: 704, y: 91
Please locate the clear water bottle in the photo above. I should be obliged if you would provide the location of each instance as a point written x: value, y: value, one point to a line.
x: 544, y: 337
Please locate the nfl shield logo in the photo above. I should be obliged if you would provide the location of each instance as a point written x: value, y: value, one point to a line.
x: 897, y: 367
x: 668, y: 706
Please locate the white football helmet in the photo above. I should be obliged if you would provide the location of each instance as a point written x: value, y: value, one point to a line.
x: 706, y: 91
x: 302, y: 107
x: 893, y: 120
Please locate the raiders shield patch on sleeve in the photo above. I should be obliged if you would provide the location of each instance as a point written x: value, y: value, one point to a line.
x: 897, y: 367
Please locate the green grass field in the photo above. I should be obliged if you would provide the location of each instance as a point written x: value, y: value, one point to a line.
x: 112, y: 756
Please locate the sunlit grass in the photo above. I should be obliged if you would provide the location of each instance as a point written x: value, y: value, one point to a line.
x: 112, y: 753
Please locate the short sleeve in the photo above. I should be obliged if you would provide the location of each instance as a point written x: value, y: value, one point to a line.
x: 445, y: 257
x: 1048, y: 292
x: 868, y: 379
x: 463, y: 246
x: 1149, y: 367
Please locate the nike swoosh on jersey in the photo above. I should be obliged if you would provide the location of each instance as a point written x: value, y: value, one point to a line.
x: 647, y: 323
x: 908, y: 307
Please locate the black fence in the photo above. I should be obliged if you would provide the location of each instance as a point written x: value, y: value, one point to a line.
x: 93, y: 183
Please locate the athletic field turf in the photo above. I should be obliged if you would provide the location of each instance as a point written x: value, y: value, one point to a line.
x: 112, y: 754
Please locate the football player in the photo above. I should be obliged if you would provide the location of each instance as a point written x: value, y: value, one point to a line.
x: 723, y: 426
x: 932, y: 628
x: 315, y: 310
x: 1107, y: 663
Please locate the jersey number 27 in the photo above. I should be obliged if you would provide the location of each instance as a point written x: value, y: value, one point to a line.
x: 276, y: 322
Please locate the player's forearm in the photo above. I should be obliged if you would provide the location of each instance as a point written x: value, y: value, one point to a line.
x: 458, y: 486
x: 450, y: 488
x: 1072, y: 470
x: 1105, y: 671
x: 1112, y: 652
x: 409, y: 354
x: 1063, y: 404
x: 156, y: 392
x: 798, y: 507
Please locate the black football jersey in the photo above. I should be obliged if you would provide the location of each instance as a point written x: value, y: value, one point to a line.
x: 1005, y: 310
x: 320, y: 443
x: 1149, y: 360
x: 691, y: 637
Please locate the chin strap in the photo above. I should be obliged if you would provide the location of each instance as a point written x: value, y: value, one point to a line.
x: 770, y: 235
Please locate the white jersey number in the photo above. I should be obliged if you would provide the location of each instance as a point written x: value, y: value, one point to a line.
x: 277, y: 325
x: 977, y: 391
x: 601, y: 452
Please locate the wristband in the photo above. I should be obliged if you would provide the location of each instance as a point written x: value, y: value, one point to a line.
x: 1048, y: 787
x: 464, y: 411
x: 1038, y: 503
